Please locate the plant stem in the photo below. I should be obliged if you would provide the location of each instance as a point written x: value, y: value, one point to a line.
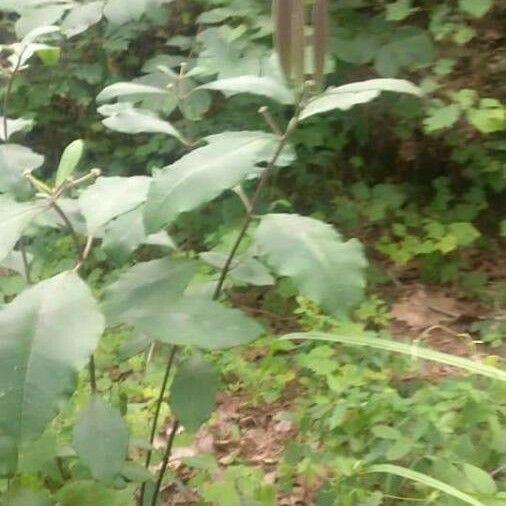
x: 254, y: 201
x: 165, y: 462
x: 72, y: 230
x: 93, y: 375
x: 26, y: 263
x: 7, y: 95
x: 159, y: 401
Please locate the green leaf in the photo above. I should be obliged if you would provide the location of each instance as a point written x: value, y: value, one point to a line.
x: 479, y: 480
x: 119, y: 12
x: 193, y: 321
x: 205, y: 173
x: 146, y: 288
x: 244, y: 269
x: 14, y: 219
x: 38, y: 17
x: 8, y: 456
x: 101, y: 440
x: 13, y: 126
x: 411, y: 350
x: 47, y: 335
x: 49, y: 56
x: 133, y: 471
x: 110, y: 197
x: 424, y: 480
x: 91, y: 493
x: 69, y: 160
x: 18, y: 496
x: 193, y: 392
x: 129, y: 120
x: 399, y: 10
x: 81, y: 17
x: 125, y: 89
x: 264, y: 86
x: 15, y: 160
x: 475, y: 8
x: 311, y: 253
x: 409, y: 47
x: 345, y: 97
x: 442, y: 117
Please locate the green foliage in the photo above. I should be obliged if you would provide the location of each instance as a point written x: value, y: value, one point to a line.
x: 90, y: 274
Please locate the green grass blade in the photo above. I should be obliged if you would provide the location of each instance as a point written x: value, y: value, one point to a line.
x: 424, y: 480
x: 406, y: 349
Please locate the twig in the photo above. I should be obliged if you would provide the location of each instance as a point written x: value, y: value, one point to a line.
x: 154, y: 425
x: 165, y: 462
x: 93, y: 374
x: 61, y: 213
x: 292, y: 125
x: 8, y: 92
x: 26, y: 263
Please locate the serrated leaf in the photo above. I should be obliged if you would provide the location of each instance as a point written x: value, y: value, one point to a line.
x: 264, y: 86
x: 14, y: 219
x: 424, y: 480
x: 129, y: 120
x: 146, y: 288
x: 47, y: 335
x: 101, y: 440
x: 110, y: 197
x: 193, y: 321
x: 346, y: 96
x: 69, y: 160
x: 15, y: 160
x: 442, y: 117
x: 124, y: 89
x: 193, y: 392
x: 412, y: 350
x: 204, y: 174
x: 311, y: 253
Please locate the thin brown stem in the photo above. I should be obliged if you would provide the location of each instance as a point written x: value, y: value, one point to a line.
x: 253, y: 203
x: 8, y: 92
x: 154, y: 425
x: 165, y: 463
x: 61, y: 213
x: 93, y: 375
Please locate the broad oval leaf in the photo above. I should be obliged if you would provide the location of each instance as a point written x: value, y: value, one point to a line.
x: 47, y: 335
x: 193, y: 321
x: 204, y: 174
x: 101, y: 440
x: 81, y: 17
x: 264, y: 86
x: 193, y: 392
x: 69, y: 160
x: 346, y: 96
x: 147, y: 288
x: 14, y: 219
x: 110, y: 197
x: 15, y: 160
x: 130, y: 120
x: 124, y: 88
x: 310, y: 252
x: 411, y: 350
